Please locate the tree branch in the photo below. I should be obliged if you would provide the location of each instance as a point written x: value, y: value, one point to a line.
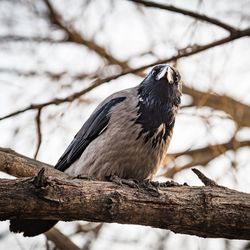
x: 37, y: 39
x: 204, y: 179
x: 193, y: 14
x: 60, y: 240
x: 202, y: 211
x: 237, y: 110
x: 76, y: 37
x: 201, y: 156
x: 19, y: 165
x: 181, y: 54
x: 39, y: 132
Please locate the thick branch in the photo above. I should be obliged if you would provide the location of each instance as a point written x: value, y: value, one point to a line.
x: 185, y: 12
x: 210, y: 211
x: 202, y: 156
x: 21, y: 166
x: 237, y: 110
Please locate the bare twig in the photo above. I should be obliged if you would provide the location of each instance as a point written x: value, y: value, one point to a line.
x: 87, y: 245
x: 60, y: 240
x: 98, y: 82
x: 246, y: 246
x: 185, y: 12
x: 87, y: 227
x: 39, y: 133
x: 37, y: 39
x: 76, y: 37
x: 203, y: 178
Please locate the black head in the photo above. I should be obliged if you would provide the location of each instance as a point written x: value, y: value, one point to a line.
x: 162, y: 85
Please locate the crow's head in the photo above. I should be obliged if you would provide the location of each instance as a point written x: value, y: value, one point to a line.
x: 162, y: 85
x: 159, y: 96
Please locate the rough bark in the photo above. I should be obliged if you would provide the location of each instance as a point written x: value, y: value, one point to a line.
x: 209, y: 211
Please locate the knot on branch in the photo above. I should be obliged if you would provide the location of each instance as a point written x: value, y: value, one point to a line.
x: 44, y: 190
x: 113, y: 202
x: 40, y: 181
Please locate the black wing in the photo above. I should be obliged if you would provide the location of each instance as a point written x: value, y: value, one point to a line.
x: 96, y: 124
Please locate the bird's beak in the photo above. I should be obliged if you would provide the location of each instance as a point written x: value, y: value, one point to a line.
x: 167, y: 72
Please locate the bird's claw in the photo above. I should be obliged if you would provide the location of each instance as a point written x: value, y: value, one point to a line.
x: 119, y: 181
x: 144, y: 185
x: 130, y: 182
x: 170, y: 184
x: 151, y: 186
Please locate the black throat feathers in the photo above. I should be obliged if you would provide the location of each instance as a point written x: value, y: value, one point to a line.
x: 157, y: 105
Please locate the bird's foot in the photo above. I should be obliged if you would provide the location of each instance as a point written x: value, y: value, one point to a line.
x: 145, y: 185
x: 119, y: 181
x: 150, y: 186
x: 154, y: 186
x: 171, y: 184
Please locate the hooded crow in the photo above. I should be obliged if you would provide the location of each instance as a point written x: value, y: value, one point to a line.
x: 126, y: 136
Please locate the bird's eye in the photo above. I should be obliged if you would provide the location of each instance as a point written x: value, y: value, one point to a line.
x: 176, y: 77
x: 154, y: 72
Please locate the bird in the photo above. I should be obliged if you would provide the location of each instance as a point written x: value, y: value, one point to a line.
x: 127, y: 136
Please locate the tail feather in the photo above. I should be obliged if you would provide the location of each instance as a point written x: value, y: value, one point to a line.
x: 31, y: 227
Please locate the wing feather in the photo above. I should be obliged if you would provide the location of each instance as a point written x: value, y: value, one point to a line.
x: 92, y: 128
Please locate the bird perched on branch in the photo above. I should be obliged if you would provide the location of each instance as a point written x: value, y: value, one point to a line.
x: 126, y: 136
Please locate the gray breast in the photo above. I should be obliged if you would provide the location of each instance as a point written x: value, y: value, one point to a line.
x: 118, y: 150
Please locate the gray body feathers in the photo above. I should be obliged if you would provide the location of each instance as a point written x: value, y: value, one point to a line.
x: 116, y: 151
